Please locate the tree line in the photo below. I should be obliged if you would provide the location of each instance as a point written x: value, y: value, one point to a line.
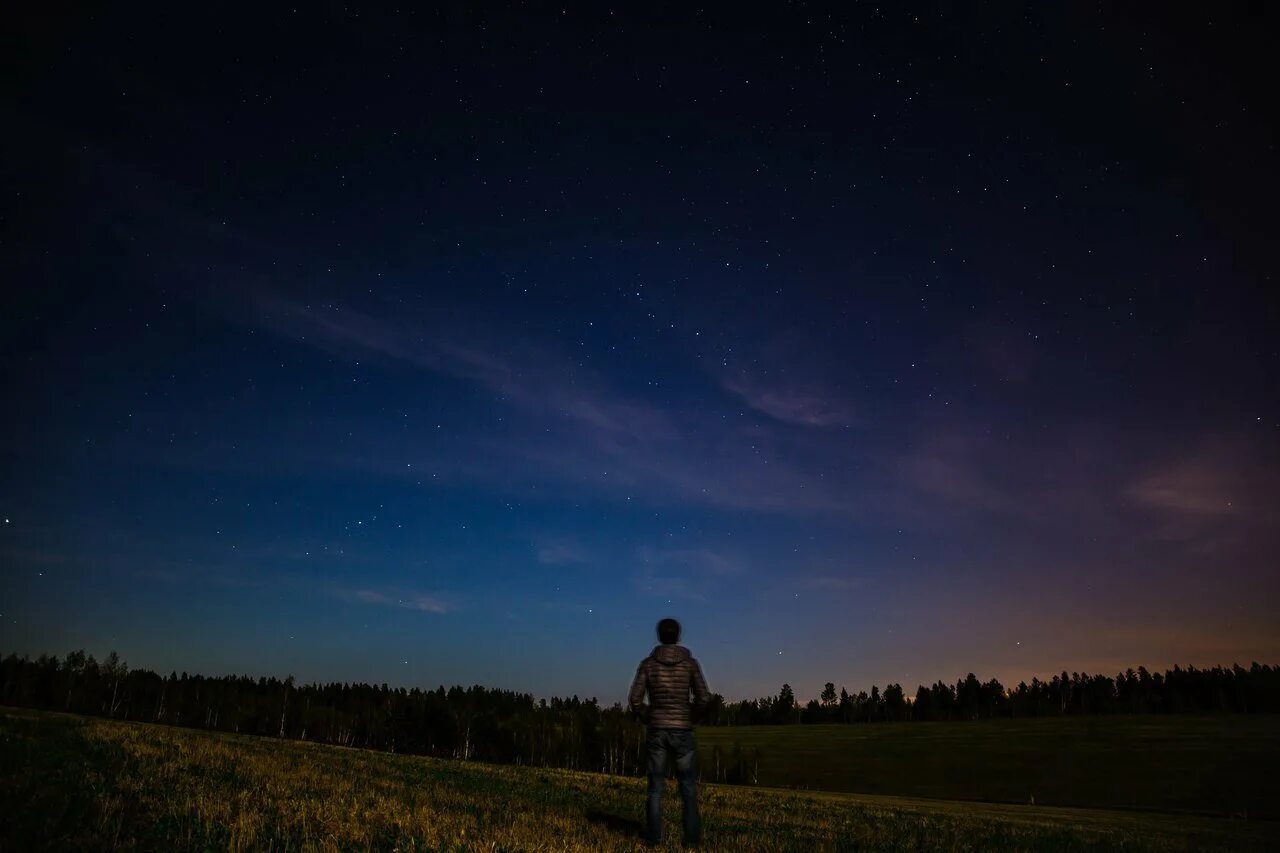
x: 1216, y: 690
x: 474, y: 723
x: 503, y: 726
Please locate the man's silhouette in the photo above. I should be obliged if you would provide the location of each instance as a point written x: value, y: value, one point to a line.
x: 670, y: 675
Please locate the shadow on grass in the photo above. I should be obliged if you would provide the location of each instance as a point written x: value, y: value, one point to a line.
x: 626, y: 826
x: 51, y: 782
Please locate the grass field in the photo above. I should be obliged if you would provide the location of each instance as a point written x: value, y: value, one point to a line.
x: 1211, y: 765
x: 79, y: 784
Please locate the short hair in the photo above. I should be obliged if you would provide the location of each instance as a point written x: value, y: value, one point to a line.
x: 669, y: 631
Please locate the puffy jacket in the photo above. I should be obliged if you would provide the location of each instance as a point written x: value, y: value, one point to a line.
x: 669, y: 675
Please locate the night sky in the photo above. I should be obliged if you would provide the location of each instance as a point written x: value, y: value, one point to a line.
x: 462, y: 346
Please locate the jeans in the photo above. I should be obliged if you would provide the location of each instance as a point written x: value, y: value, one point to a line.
x: 676, y: 745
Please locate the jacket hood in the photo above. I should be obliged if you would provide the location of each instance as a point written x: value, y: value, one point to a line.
x: 670, y: 655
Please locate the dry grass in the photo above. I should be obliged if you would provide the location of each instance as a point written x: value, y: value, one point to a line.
x: 71, y: 783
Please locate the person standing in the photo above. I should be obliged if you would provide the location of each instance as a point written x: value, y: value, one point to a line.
x: 670, y: 675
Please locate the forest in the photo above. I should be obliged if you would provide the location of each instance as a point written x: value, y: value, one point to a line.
x: 507, y: 727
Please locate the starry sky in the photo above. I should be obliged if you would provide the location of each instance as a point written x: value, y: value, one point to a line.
x: 460, y: 346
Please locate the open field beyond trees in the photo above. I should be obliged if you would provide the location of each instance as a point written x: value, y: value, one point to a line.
x: 79, y: 783
x: 1219, y: 765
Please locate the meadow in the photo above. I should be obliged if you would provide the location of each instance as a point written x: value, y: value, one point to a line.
x: 1219, y: 765
x: 80, y: 783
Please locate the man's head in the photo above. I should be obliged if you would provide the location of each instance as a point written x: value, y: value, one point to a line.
x: 668, y: 631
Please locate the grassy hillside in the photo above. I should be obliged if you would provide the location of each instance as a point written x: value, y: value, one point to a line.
x: 1216, y: 765
x: 74, y: 783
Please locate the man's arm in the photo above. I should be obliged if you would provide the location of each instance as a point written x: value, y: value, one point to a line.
x: 701, y: 695
x: 636, y: 698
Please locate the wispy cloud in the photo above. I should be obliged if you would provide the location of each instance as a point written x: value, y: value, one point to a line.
x: 1217, y: 500
x: 573, y: 429
x: 560, y: 550
x: 701, y: 562
x: 579, y: 430
x: 532, y: 378
x: 355, y: 334
x: 667, y: 586
x: 690, y: 573
x: 792, y: 403
x: 949, y: 467
x: 1198, y: 486
x: 408, y: 601
x: 1060, y: 478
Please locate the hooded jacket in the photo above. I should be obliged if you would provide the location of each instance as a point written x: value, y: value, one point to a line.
x: 669, y: 675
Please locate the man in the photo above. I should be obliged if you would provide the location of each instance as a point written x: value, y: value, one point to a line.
x: 669, y: 675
